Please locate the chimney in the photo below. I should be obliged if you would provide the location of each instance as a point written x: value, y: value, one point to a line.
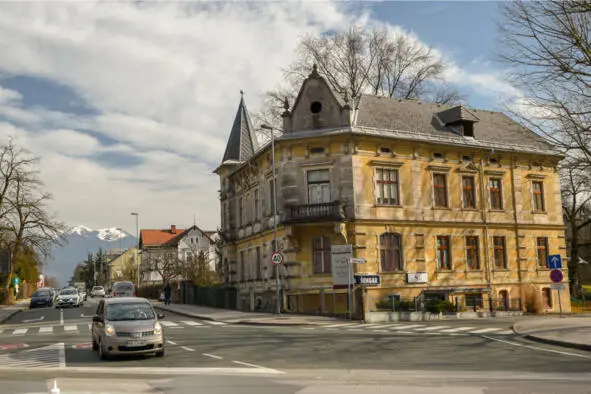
x: 173, y: 229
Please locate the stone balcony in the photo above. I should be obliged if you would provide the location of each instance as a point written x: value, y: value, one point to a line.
x: 310, y: 213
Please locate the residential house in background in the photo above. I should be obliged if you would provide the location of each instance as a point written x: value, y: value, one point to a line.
x: 442, y: 202
x: 162, y: 249
x: 123, y: 264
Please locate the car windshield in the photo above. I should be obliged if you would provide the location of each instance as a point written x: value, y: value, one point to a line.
x: 68, y: 292
x: 124, y: 287
x: 130, y: 311
x: 41, y: 293
x: 97, y: 288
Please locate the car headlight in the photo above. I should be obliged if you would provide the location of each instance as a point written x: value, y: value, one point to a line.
x: 109, y: 330
x: 157, y: 329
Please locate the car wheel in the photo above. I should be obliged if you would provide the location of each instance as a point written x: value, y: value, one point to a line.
x: 160, y: 353
x: 101, y: 352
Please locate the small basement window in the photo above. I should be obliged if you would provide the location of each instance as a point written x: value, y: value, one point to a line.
x: 493, y: 160
x: 466, y: 158
x: 438, y: 155
x: 316, y: 150
x: 316, y: 107
x: 468, y: 129
x: 383, y: 149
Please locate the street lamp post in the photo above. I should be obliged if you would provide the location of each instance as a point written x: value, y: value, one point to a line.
x: 137, y: 236
x: 277, y: 283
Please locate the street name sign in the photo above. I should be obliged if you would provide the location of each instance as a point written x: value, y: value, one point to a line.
x: 357, y: 260
x: 558, y: 286
x: 367, y: 280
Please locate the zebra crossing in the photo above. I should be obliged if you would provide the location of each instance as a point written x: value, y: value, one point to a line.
x: 85, y: 328
x: 416, y: 329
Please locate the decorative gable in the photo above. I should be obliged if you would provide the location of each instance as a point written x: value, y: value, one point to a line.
x: 317, y: 107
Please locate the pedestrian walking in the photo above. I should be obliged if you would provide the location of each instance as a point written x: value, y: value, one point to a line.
x: 167, y: 293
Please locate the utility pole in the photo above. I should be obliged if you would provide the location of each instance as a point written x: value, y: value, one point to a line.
x: 275, y: 247
x: 137, y: 251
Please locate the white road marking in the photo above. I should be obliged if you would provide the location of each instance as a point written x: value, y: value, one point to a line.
x: 171, y: 342
x: 34, y: 320
x: 253, y: 365
x: 46, y: 330
x: 506, y: 332
x: 405, y: 332
x: 490, y: 329
x: 212, y: 356
x: 168, y: 323
x: 20, y: 331
x: 185, y: 371
x: 83, y: 315
x: 70, y: 328
x: 380, y: 326
x: 309, y: 328
x: 89, y: 326
x: 61, y: 317
x: 1, y: 331
x: 216, y: 323
x: 431, y: 328
x: 341, y: 325
x: 187, y: 349
x: 354, y: 329
x: 407, y: 327
x: 537, y: 348
x: 459, y: 329
x: 191, y: 323
x: 380, y: 330
x: 61, y: 355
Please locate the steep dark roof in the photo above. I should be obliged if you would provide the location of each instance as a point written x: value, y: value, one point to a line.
x: 242, y: 142
x: 414, y: 116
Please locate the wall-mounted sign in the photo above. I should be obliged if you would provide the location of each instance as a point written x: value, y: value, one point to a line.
x: 417, y: 277
x: 367, y: 280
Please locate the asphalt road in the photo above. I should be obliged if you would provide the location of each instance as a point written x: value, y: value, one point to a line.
x: 39, y: 345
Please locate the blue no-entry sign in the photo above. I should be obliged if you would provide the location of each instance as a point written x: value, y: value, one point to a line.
x: 556, y: 276
x: 555, y: 262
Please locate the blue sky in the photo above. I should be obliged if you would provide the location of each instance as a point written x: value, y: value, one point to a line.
x: 130, y: 106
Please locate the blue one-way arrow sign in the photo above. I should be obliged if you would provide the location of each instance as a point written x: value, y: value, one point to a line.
x: 555, y: 262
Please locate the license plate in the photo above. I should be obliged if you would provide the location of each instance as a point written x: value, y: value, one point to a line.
x: 136, y: 343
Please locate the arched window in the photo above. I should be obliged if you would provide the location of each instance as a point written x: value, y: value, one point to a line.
x: 391, y: 252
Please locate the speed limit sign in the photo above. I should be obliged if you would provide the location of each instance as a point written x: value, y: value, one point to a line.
x: 276, y: 258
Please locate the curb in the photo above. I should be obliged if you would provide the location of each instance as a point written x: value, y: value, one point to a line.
x: 5, y: 318
x: 240, y: 322
x: 571, y: 345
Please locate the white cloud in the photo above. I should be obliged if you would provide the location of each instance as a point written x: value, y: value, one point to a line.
x: 164, y: 80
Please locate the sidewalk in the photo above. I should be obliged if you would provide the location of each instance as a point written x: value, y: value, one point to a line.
x: 7, y: 311
x: 237, y: 317
x: 573, y: 332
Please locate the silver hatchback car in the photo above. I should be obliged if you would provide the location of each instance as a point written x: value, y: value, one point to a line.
x: 126, y: 325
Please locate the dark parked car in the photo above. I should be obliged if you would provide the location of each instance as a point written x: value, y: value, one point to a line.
x: 42, y: 297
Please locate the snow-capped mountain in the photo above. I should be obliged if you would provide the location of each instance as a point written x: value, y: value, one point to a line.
x: 104, y: 234
x: 81, y: 241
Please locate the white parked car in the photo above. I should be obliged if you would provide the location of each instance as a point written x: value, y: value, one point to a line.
x: 97, y: 291
x: 68, y: 297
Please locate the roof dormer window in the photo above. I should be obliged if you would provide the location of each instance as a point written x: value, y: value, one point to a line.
x: 468, y: 129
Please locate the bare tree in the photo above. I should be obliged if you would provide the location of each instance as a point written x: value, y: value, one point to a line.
x: 548, y: 47
x: 576, y: 198
x: 197, y: 270
x: 167, y: 264
x: 356, y: 61
x: 24, y: 218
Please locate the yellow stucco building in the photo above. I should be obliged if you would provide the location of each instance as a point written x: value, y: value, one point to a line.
x: 442, y: 202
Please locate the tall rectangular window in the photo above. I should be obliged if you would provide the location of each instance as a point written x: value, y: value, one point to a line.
x: 256, y: 204
x: 318, y: 186
x: 321, y: 255
x: 443, y: 252
x: 242, y: 267
x: 240, y: 212
x: 387, y: 186
x: 468, y: 192
x: 542, y: 246
x: 440, y: 190
x: 500, y: 255
x: 259, y: 264
x: 538, y: 196
x: 391, y: 252
x: 472, y: 255
x: 496, y: 193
